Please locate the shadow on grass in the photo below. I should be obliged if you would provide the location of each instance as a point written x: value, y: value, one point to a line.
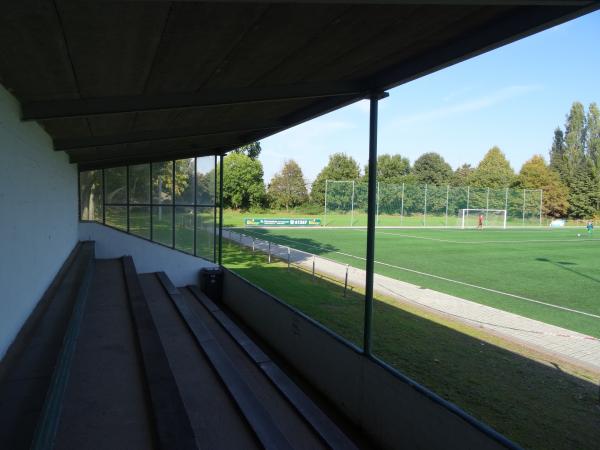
x: 299, y: 243
x: 565, y: 266
x: 538, y: 405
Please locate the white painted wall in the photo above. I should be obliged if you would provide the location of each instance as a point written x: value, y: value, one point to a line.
x: 38, y: 216
x: 181, y: 268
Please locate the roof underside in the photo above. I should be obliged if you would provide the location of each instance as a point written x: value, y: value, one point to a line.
x: 117, y: 82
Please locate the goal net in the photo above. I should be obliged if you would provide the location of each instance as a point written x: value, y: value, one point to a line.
x: 469, y: 218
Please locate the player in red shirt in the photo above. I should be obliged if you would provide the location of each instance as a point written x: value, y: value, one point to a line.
x: 480, y: 223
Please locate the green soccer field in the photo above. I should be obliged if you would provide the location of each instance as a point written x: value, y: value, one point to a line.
x: 551, y: 275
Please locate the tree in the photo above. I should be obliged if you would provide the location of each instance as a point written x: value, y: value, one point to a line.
x: 339, y: 167
x: 536, y: 174
x: 431, y: 168
x: 581, y: 197
x: 592, y: 150
x: 574, y: 141
x: 251, y: 150
x: 391, y: 169
x: 592, y: 135
x: 493, y: 171
x: 243, y: 184
x: 462, y: 175
x: 287, y: 187
x: 557, y: 152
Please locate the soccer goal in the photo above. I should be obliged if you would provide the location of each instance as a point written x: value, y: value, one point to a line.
x: 469, y: 218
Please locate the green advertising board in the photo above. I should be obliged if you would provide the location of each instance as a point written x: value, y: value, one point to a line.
x: 282, y: 222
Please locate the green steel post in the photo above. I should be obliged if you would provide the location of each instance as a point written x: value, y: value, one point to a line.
x: 371, y: 210
x: 221, y: 210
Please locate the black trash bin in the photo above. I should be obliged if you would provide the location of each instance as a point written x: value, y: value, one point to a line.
x: 211, y: 282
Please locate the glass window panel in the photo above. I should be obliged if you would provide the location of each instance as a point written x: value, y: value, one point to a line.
x: 184, y: 228
x: 184, y: 181
x: 205, y: 233
x: 116, y: 185
x: 139, y: 184
x: 205, y: 180
x: 116, y: 216
x: 90, y: 191
x: 162, y: 182
x: 139, y: 221
x: 162, y: 224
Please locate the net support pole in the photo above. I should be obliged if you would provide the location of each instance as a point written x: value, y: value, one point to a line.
x: 524, y: 207
x: 506, y: 202
x: 352, y: 206
x: 541, y: 204
x: 468, y: 196
x: 487, y: 205
x: 325, y: 218
x: 402, y: 205
x: 468, y: 201
x: 371, y: 209
x: 447, y: 197
x: 221, y: 167
x: 377, y: 212
x: 425, y: 207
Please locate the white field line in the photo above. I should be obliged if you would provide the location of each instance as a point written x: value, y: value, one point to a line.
x: 450, y: 241
x: 462, y: 283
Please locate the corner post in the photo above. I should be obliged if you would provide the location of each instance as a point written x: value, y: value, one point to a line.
x: 371, y: 219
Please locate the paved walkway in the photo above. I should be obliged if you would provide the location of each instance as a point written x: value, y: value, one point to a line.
x: 568, y: 345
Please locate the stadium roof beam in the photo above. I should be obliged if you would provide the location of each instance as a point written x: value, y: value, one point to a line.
x: 161, y: 135
x: 90, y: 161
x: 208, y: 98
x: 404, y: 2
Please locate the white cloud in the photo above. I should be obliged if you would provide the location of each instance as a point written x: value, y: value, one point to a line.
x: 472, y: 105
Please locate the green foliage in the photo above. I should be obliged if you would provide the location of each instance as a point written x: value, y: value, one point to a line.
x: 390, y: 169
x: 536, y: 174
x: 578, y: 160
x: 581, y: 194
x: 339, y: 167
x: 462, y: 175
x: 493, y: 171
x: 251, y: 150
x: 574, y: 141
x: 431, y: 168
x: 243, y: 185
x: 592, y: 138
x: 288, y: 188
x: 557, y: 152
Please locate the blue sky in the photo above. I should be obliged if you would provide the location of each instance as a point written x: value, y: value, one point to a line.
x: 512, y: 97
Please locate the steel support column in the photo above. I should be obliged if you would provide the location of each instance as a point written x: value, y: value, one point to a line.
x: 371, y: 218
x: 220, y: 210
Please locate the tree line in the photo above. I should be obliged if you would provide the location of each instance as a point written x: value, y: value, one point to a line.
x: 570, y: 181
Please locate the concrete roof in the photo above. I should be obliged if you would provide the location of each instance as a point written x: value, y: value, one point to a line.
x: 117, y: 82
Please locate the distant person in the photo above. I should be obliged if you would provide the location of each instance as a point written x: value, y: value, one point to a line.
x: 480, y: 222
x: 590, y: 227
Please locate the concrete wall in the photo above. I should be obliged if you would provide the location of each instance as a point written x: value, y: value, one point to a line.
x: 181, y: 268
x: 38, y: 216
x: 389, y: 408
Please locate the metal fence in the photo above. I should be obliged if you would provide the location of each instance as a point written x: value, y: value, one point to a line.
x: 427, y: 205
x: 316, y: 265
